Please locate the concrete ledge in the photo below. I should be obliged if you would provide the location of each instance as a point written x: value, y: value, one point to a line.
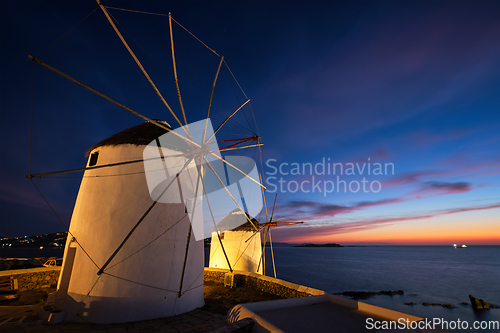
x: 343, y: 301
x: 240, y: 312
x: 387, y: 314
x: 263, y: 283
x: 315, y: 313
x: 285, y: 303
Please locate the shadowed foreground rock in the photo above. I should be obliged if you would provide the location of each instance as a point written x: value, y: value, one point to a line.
x: 478, y: 304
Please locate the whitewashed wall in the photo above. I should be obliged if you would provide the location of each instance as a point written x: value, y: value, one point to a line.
x: 106, y: 209
x: 242, y: 256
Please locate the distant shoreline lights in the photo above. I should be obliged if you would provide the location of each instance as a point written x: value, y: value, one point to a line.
x: 325, y: 168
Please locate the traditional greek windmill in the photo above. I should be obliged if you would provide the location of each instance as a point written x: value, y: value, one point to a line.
x: 129, y: 275
x: 237, y: 246
x: 130, y: 253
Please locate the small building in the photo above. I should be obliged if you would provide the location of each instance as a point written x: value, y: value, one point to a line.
x: 242, y: 244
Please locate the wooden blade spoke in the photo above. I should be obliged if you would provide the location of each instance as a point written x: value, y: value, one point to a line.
x: 215, y: 225
x: 54, y: 173
x: 223, y: 160
x: 175, y: 72
x: 236, y: 148
x: 232, y: 114
x: 200, y: 177
x: 275, y: 197
x: 262, y: 255
x: 156, y: 123
x: 281, y: 224
x: 264, y: 197
x: 228, y: 192
x: 272, y: 252
x: 101, y: 270
x: 237, y: 143
x: 210, y: 101
x: 137, y: 61
x: 255, y: 233
x: 254, y: 137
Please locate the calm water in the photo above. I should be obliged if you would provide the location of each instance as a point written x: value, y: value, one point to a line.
x: 434, y: 274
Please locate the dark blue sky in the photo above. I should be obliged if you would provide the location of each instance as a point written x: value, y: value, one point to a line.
x: 412, y: 83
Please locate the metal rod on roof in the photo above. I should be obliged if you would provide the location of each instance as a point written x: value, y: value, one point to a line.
x: 254, y: 137
x: 41, y: 175
x: 274, y: 225
x: 280, y: 224
x: 236, y: 148
x: 54, y: 173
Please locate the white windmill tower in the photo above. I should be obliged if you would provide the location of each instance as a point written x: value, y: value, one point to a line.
x: 128, y: 275
x: 239, y: 246
x: 130, y: 253
x: 236, y: 248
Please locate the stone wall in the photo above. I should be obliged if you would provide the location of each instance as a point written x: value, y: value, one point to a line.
x: 263, y: 283
x: 215, y: 274
x: 272, y: 286
x: 45, y: 277
x: 34, y: 278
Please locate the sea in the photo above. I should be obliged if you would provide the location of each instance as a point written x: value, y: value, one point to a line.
x: 426, y: 274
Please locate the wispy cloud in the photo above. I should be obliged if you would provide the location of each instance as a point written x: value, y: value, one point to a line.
x: 446, y: 188
x: 292, y: 234
x: 316, y: 210
x: 411, y: 178
x: 427, y: 138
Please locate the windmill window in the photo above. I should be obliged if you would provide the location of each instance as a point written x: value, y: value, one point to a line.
x: 93, y: 159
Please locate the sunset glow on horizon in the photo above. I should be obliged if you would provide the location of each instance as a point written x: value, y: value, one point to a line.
x: 407, y: 235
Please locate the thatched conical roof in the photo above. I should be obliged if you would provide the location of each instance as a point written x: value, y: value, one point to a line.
x: 142, y: 135
x: 234, y: 218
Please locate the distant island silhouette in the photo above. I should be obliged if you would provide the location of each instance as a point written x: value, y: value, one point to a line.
x: 319, y: 245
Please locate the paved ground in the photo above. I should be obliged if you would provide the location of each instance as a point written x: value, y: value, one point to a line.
x: 198, y: 320
x: 21, y: 315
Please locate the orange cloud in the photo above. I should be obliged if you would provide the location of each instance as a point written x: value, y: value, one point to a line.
x: 420, y: 229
